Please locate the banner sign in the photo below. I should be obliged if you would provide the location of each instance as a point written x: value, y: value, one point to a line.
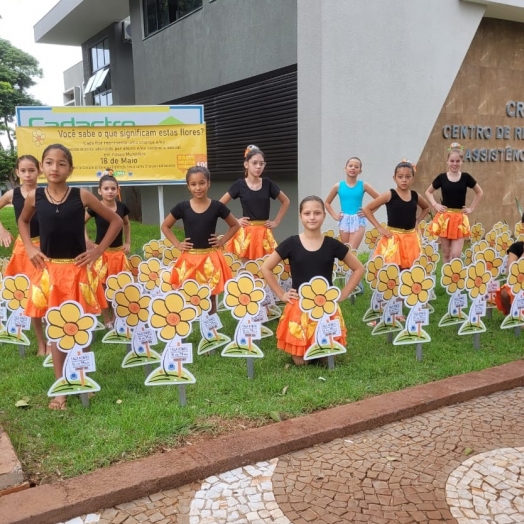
x: 135, y: 155
x: 108, y: 116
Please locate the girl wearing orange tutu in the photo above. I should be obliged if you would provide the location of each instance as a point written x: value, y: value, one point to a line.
x: 255, y: 236
x: 310, y: 254
x: 201, y: 258
x: 27, y: 169
x: 61, y: 260
x: 114, y: 259
x: 451, y: 222
x: 400, y: 241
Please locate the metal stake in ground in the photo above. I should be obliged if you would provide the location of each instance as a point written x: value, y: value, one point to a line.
x: 182, y: 395
x: 21, y: 351
x: 250, y: 368
x: 476, y: 340
x: 418, y: 348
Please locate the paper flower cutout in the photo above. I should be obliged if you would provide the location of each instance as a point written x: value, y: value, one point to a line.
x: 132, y: 304
x: 117, y: 282
x: 172, y: 316
x: 243, y: 296
x: 278, y: 270
x: 453, y: 276
x: 372, y: 268
x: 426, y: 263
x: 16, y: 291
x: 468, y: 256
x: 491, y: 238
x: 422, y: 226
x: 388, y: 281
x: 516, y: 276
x: 503, y: 242
x: 492, y: 260
x: 431, y: 253
x: 69, y: 326
x: 149, y: 273
x: 165, y: 282
x: 170, y: 255
x: 329, y: 233
x: 371, y: 238
x: 134, y: 262
x: 477, y: 232
x: 519, y: 229
x: 318, y: 298
x: 233, y: 262
x: 254, y: 267
x: 197, y: 296
x: 286, y: 273
x: 480, y: 246
x: 478, y: 278
x: 415, y: 286
x: 166, y: 243
x: 153, y: 249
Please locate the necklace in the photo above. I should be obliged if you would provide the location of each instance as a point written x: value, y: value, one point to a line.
x: 56, y: 202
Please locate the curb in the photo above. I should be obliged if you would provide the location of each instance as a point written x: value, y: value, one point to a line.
x: 104, y: 488
x: 11, y: 474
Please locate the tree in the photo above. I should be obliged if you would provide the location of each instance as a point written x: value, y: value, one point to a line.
x: 18, y: 71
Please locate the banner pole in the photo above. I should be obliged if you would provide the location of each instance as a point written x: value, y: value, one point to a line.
x: 161, y: 212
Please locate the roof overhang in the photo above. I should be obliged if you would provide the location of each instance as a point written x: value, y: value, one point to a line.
x: 73, y: 22
x: 512, y: 10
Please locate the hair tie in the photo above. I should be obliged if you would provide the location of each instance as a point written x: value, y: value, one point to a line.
x: 406, y: 161
x: 455, y: 145
x: 249, y: 148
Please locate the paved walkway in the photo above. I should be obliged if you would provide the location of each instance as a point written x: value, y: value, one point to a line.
x: 461, y: 464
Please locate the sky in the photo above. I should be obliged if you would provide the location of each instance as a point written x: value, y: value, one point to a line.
x: 16, y: 25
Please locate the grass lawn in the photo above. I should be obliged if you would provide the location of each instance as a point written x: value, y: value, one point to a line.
x: 127, y: 420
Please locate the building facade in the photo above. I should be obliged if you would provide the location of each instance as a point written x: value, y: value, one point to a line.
x: 313, y: 82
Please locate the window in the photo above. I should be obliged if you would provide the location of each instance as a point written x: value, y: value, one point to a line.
x: 99, y: 84
x: 100, y: 55
x: 160, y: 13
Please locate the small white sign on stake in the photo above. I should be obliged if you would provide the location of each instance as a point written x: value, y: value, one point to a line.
x: 180, y: 352
x: 331, y: 328
x: 147, y: 336
x: 84, y: 361
x: 251, y: 329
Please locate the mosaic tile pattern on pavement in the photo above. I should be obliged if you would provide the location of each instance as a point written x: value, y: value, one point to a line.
x: 460, y: 464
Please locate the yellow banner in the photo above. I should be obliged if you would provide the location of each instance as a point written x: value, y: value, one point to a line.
x: 136, y: 155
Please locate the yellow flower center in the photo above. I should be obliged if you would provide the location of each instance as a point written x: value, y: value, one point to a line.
x: 195, y: 300
x: 391, y: 284
x: 244, y: 299
x: 153, y: 276
x: 19, y: 295
x: 416, y: 288
x: 320, y: 300
x: 70, y: 329
x: 134, y: 307
x: 455, y: 277
x: 173, y: 319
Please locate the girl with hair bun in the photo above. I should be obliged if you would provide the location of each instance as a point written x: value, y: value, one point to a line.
x: 255, y: 237
x: 451, y: 222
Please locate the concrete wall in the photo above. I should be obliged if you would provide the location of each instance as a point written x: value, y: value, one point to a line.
x: 372, y: 79
x: 121, y: 63
x: 225, y: 41
x: 174, y: 194
x: 74, y: 76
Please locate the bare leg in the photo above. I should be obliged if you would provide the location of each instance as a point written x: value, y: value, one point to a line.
x: 344, y: 236
x: 446, y: 249
x: 298, y: 361
x: 456, y: 248
x: 107, y: 315
x: 58, y: 403
x: 355, y: 238
x: 38, y: 328
x: 213, y: 309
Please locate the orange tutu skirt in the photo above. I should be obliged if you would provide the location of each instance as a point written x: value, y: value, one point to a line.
x: 115, y: 261
x: 452, y: 224
x: 296, y: 331
x: 19, y: 262
x: 403, y: 248
x: 206, y: 266
x: 62, y: 280
x: 498, y: 299
x: 253, y: 241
